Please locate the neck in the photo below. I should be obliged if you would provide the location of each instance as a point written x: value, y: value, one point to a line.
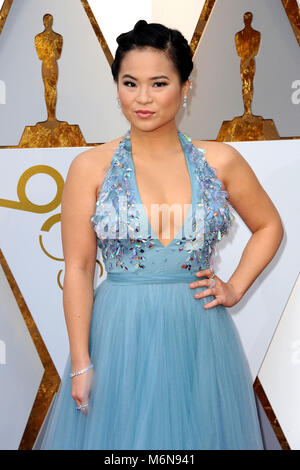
x: 154, y: 144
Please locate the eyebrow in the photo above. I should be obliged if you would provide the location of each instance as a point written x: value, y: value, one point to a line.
x: 152, y: 78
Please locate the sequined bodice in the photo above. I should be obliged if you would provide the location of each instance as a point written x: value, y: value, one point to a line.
x: 123, y: 230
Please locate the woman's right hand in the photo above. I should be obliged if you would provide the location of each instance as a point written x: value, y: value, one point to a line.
x: 81, y: 388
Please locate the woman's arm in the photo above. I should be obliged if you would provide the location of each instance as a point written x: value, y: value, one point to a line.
x: 79, y: 248
x: 255, y: 207
x: 85, y: 176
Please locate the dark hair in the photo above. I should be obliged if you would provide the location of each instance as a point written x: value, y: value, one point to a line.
x: 159, y: 37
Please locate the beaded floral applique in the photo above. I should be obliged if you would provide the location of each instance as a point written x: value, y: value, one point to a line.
x: 218, y: 215
x: 123, y: 220
x: 118, y: 186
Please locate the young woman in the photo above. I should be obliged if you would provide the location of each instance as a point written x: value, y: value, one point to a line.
x: 155, y: 358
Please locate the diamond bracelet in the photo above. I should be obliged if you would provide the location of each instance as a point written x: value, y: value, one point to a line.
x: 73, y: 374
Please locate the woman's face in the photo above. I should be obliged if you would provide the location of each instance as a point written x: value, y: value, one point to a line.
x: 149, y: 89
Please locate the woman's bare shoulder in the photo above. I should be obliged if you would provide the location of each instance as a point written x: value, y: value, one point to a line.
x: 95, y: 162
x: 217, y: 152
x: 222, y: 157
x: 100, y: 153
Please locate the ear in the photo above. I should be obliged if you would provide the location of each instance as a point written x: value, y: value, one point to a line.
x: 185, y: 87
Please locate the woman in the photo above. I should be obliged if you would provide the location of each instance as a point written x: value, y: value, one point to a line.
x: 156, y: 360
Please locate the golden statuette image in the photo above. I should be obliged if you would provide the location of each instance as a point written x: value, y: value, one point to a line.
x: 52, y: 132
x: 248, y: 126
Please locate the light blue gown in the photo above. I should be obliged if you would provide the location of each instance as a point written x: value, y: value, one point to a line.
x: 168, y: 373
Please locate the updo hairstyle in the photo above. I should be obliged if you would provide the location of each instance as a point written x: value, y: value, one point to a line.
x: 158, y: 36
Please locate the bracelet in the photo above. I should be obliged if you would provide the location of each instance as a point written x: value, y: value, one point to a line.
x: 73, y: 374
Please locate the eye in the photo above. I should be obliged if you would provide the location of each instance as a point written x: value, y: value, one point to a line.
x: 129, y: 84
x: 160, y: 84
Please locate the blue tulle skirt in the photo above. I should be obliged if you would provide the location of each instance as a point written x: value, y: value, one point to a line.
x: 168, y: 374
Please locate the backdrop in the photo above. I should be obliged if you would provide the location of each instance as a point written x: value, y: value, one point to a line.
x: 33, y: 335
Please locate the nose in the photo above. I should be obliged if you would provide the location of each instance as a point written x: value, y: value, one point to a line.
x: 144, y: 95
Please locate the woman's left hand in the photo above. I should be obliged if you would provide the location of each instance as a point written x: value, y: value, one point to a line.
x: 223, y: 291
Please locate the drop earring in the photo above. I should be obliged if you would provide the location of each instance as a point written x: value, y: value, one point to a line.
x: 118, y: 103
x: 185, y: 96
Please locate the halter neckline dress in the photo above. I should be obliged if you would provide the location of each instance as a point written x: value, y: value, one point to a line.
x: 168, y: 373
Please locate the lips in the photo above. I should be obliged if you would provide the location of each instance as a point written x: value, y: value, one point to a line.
x: 144, y: 113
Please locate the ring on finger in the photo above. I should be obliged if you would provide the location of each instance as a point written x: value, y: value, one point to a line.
x: 80, y: 407
x: 213, y: 282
